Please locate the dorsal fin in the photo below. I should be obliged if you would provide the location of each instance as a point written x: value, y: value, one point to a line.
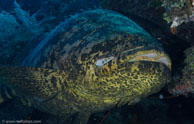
x: 39, y: 83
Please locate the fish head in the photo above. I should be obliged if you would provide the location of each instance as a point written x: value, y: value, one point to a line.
x: 125, y: 61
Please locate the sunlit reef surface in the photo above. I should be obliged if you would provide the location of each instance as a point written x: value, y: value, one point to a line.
x: 47, y: 14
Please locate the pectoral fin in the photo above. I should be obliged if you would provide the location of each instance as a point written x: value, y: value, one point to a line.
x: 36, y: 82
x: 6, y: 94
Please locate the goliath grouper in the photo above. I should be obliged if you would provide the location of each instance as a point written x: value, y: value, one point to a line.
x: 92, y: 62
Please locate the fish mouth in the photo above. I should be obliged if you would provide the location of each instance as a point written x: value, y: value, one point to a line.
x: 150, y: 55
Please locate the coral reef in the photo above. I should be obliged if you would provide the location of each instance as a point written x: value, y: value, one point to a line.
x: 16, y: 30
x: 186, y: 83
x: 178, y: 12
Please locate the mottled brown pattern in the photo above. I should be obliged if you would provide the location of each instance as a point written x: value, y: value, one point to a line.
x: 72, y: 77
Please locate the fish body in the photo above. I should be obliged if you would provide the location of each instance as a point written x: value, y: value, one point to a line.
x: 92, y: 62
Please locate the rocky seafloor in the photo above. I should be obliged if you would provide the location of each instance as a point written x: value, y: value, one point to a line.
x: 171, y: 22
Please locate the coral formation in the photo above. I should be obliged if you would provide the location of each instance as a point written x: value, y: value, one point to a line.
x: 178, y: 11
x: 16, y: 30
x: 186, y: 84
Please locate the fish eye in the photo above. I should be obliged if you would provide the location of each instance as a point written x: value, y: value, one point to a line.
x: 101, y: 62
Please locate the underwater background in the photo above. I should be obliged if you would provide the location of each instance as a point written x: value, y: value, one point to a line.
x: 24, y: 23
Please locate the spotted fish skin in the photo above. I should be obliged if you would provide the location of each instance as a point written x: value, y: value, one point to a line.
x: 92, y: 62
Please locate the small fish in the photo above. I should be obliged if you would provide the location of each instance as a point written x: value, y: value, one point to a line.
x: 92, y: 62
